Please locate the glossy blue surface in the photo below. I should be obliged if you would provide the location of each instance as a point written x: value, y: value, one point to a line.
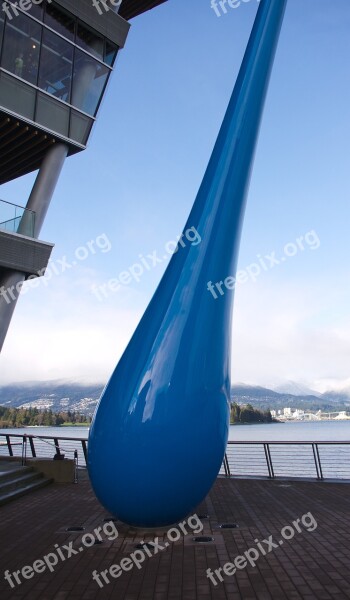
x: 159, y: 433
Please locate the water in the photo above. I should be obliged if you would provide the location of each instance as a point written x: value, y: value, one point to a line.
x: 299, y: 431
x: 71, y: 432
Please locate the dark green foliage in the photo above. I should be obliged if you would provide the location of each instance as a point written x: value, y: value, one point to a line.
x: 22, y: 417
x: 248, y: 414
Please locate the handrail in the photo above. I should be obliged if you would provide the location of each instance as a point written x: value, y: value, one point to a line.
x: 230, y: 442
x: 38, y: 437
x: 307, y: 459
x: 295, y: 443
x: 9, y: 220
x: 16, y: 205
x: 54, y: 445
x: 46, y: 437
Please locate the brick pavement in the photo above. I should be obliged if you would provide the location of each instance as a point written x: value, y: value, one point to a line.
x: 312, y: 565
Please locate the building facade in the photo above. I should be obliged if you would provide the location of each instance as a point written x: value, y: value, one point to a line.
x: 56, y: 58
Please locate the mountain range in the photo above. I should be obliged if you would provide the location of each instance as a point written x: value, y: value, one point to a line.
x: 81, y: 397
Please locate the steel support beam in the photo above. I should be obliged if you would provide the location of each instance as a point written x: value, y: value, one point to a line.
x: 39, y: 202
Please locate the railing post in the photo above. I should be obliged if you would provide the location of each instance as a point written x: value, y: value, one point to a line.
x: 83, y: 443
x: 319, y: 461
x: 24, y: 450
x: 8, y: 441
x: 269, y: 461
x: 316, y: 463
x: 76, y: 466
x: 32, y: 447
x: 227, y: 466
x: 58, y: 451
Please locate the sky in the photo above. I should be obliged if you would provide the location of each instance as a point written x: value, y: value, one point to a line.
x: 131, y: 191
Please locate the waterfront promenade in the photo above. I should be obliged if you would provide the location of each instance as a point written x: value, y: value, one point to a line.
x: 312, y: 565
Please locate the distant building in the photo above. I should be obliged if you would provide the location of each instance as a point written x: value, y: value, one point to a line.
x: 287, y: 412
x: 298, y: 414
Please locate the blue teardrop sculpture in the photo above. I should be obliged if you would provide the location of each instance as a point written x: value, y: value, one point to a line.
x: 159, y: 433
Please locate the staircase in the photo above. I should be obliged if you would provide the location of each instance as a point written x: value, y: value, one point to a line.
x: 16, y: 481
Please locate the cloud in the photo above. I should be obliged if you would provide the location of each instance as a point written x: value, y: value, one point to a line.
x: 62, y: 331
x: 281, y: 331
x: 286, y: 332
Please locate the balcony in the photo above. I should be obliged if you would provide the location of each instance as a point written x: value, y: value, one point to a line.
x: 19, y: 250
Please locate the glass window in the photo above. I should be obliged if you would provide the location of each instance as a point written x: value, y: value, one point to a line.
x: 36, y: 10
x: 21, y: 47
x: 80, y: 127
x: 60, y: 20
x: 56, y: 63
x: 1, y: 26
x: 90, y: 41
x: 17, y: 96
x: 52, y: 114
x: 89, y: 80
x: 110, y: 53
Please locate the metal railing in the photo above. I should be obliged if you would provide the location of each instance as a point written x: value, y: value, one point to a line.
x: 39, y: 448
x: 16, y: 218
x: 305, y: 459
x: 321, y: 460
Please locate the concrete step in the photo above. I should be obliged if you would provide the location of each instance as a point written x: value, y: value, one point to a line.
x: 20, y: 481
x: 14, y: 471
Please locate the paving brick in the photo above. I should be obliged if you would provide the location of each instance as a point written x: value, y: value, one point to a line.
x: 313, y: 565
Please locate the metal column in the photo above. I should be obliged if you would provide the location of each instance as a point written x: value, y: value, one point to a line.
x: 39, y: 201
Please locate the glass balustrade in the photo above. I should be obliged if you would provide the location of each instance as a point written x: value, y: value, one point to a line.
x: 16, y: 219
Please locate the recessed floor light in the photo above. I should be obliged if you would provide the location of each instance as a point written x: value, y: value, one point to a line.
x: 203, y: 539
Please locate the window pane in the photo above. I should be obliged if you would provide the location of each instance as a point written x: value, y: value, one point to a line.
x: 60, y: 21
x: 89, y: 81
x: 1, y: 26
x: 17, y: 96
x: 36, y: 10
x: 56, y: 65
x: 90, y: 41
x: 52, y: 114
x: 110, y: 53
x: 21, y: 47
x: 80, y: 127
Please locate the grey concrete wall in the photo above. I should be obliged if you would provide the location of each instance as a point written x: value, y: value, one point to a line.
x: 23, y: 254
